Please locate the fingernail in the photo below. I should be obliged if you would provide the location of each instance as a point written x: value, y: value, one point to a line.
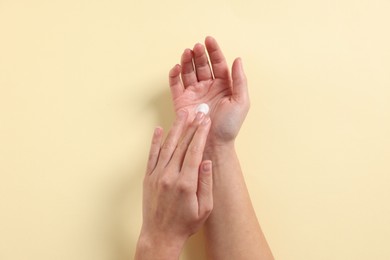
x: 157, y: 131
x: 182, y: 114
x: 207, y: 166
x: 206, y: 120
x: 198, y: 44
x: 199, y: 116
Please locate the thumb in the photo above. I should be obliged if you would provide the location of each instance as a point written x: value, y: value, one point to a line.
x: 205, y: 189
x: 240, y: 89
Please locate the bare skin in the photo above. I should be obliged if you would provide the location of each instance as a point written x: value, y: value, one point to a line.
x: 212, y: 85
x: 232, y: 230
x: 177, y: 195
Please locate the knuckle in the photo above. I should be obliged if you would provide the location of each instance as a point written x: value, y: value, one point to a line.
x: 165, y: 183
x: 184, y: 187
x: 207, y: 209
x: 217, y: 58
x: 192, y: 164
x: 202, y: 63
x: 182, y: 147
x: 195, y: 149
x: 205, y: 183
x: 179, y: 149
x: 152, y: 155
x: 168, y: 146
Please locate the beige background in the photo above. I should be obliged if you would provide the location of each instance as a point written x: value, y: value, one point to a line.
x: 83, y: 83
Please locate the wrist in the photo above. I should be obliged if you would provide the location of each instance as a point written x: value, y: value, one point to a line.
x: 217, y: 150
x: 158, y: 248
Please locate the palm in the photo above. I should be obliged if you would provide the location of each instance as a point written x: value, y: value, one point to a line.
x: 212, y: 92
x: 201, y: 84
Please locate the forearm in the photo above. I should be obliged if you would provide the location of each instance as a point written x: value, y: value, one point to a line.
x: 232, y: 230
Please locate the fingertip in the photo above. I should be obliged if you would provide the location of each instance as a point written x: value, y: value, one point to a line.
x: 175, y: 82
x: 209, y: 38
x: 206, y: 121
x: 175, y: 71
x: 157, y: 134
x: 198, y: 49
x: 240, y: 90
x: 186, y: 56
x: 187, y: 52
x: 207, y: 166
x: 198, y: 45
x: 239, y: 60
x: 237, y: 69
x: 182, y: 114
x: 240, y: 63
x: 158, y: 130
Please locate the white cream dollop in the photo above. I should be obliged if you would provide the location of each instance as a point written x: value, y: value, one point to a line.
x: 203, y: 108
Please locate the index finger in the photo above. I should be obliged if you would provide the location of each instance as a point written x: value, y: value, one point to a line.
x: 194, y: 154
x: 170, y: 143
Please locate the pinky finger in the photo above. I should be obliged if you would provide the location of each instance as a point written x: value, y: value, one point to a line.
x: 205, y: 189
x: 175, y: 83
x: 154, y: 150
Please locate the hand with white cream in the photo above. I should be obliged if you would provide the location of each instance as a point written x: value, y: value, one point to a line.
x: 232, y: 230
x: 196, y: 81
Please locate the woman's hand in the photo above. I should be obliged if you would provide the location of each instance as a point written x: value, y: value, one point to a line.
x: 177, y: 195
x: 195, y: 82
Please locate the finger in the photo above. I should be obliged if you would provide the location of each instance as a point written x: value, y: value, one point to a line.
x: 194, y: 153
x: 201, y: 61
x: 240, y: 87
x: 178, y: 156
x: 175, y: 83
x: 187, y: 69
x: 205, y: 189
x: 172, y: 139
x: 218, y: 61
x: 154, y: 150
